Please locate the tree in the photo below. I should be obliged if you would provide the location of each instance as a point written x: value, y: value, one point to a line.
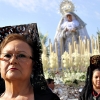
x: 98, y: 36
x: 43, y: 38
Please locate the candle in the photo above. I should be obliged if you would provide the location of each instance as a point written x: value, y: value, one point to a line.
x: 61, y: 46
x: 69, y: 47
x: 56, y: 47
x: 45, y: 51
x: 98, y: 43
x: 85, y: 41
x: 79, y: 45
x: 50, y: 48
x: 88, y: 45
x: 74, y: 45
x: 92, y: 44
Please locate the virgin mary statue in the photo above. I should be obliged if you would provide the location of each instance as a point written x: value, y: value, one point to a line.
x: 69, y: 29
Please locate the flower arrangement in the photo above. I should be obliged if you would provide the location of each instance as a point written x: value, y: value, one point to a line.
x: 74, y: 63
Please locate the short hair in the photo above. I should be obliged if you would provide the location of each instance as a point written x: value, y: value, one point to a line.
x: 15, y: 36
x: 29, y: 34
x: 49, y: 80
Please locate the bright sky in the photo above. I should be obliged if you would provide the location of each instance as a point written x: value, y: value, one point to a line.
x: 46, y: 14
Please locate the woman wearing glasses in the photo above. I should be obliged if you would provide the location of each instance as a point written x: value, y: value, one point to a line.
x: 21, y: 69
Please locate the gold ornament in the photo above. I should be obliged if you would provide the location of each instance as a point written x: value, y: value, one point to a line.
x: 66, y: 6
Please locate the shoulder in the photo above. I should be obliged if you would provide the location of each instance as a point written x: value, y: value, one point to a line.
x: 55, y: 97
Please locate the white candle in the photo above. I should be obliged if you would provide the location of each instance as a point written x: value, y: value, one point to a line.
x: 74, y: 45
x: 45, y: 51
x: 56, y: 51
x: 69, y: 47
x: 50, y: 48
x: 61, y: 46
x: 98, y: 43
x: 80, y: 46
x: 88, y: 46
x: 92, y: 44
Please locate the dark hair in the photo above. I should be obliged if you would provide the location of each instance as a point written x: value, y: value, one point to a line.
x: 88, y: 88
x: 31, y: 37
x: 49, y: 80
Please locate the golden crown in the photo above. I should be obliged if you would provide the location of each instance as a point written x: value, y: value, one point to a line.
x: 66, y: 6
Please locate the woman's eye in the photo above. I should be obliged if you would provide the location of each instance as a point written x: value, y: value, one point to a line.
x: 96, y: 77
x: 7, y: 56
x: 21, y: 56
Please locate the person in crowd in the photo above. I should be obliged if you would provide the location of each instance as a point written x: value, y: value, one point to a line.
x: 21, y: 67
x: 91, y: 90
x: 50, y: 83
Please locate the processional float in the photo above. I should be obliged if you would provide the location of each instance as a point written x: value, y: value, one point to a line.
x: 78, y: 55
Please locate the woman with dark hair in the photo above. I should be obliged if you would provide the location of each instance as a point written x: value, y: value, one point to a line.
x: 91, y: 90
x: 20, y: 65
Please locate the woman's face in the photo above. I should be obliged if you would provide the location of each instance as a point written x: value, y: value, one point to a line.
x: 96, y: 79
x: 69, y: 17
x: 16, y: 64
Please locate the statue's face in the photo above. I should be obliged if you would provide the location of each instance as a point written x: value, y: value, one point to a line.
x: 69, y: 18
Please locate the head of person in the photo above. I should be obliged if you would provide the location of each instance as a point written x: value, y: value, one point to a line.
x: 69, y: 17
x: 20, y: 59
x: 50, y: 83
x: 96, y: 79
x: 92, y: 77
x: 16, y: 56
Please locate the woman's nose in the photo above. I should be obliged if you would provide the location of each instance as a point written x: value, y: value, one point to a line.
x: 13, y: 60
x: 98, y: 78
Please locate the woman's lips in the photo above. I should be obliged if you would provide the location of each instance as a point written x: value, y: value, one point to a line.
x: 13, y: 69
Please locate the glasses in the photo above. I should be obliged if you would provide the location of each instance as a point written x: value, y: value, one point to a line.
x: 21, y: 57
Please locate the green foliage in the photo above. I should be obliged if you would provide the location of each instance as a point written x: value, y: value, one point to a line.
x: 51, y: 74
x: 75, y: 81
x: 98, y: 32
x: 82, y: 77
x: 98, y: 35
x: 43, y: 38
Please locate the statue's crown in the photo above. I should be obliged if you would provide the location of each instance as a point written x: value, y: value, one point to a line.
x: 66, y: 6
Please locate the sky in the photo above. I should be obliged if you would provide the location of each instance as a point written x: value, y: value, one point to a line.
x: 47, y: 15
